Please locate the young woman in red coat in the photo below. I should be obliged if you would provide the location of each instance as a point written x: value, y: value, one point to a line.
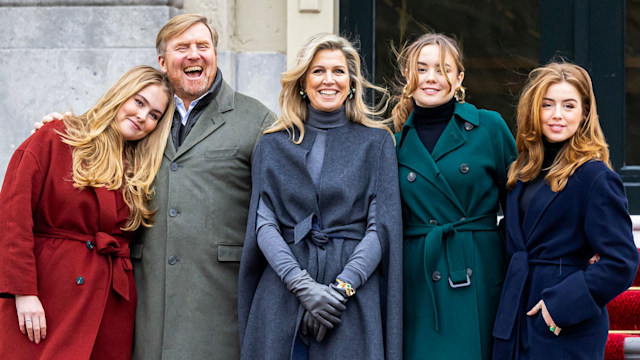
x: 73, y: 195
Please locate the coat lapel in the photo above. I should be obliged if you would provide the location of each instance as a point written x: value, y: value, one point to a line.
x: 211, y: 119
x: 108, y: 209
x: 414, y: 155
x: 455, y: 134
x: 539, y: 203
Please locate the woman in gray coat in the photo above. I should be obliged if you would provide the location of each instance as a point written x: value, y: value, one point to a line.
x: 320, y: 276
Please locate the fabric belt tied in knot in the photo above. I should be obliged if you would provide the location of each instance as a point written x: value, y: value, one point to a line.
x: 108, y: 245
x: 105, y: 245
x: 450, y: 239
x: 310, y: 231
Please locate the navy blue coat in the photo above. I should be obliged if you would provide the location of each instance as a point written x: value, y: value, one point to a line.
x: 550, y: 252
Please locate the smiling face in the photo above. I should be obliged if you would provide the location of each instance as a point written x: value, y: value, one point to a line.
x: 561, y: 112
x: 433, y: 90
x: 190, y: 62
x: 139, y: 115
x: 327, y: 80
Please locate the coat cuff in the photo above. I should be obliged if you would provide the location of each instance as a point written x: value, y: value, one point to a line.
x: 570, y: 302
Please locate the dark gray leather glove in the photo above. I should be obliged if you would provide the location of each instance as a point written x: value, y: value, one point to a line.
x: 311, y: 327
x: 321, y: 301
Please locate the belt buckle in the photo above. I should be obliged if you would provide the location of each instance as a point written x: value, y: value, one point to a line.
x: 459, y: 285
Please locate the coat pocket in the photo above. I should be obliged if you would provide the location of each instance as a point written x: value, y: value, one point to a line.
x: 221, y: 153
x: 229, y: 252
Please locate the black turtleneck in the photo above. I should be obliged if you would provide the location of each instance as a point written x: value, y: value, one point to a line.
x: 431, y: 122
x: 551, y: 150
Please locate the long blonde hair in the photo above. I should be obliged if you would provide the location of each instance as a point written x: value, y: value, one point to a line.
x: 101, y: 156
x: 407, y: 83
x: 293, y: 105
x: 586, y: 144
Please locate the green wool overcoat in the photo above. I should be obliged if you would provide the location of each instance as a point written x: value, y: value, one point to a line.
x: 454, y: 255
x: 186, y: 266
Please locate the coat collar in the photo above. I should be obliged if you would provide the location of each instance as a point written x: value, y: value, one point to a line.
x: 213, y: 117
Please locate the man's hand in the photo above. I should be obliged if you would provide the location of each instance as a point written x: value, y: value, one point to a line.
x: 49, y: 118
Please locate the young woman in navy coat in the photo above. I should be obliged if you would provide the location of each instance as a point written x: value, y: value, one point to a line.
x: 565, y: 205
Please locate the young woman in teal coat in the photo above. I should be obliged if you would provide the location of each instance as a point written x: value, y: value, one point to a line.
x: 452, y: 160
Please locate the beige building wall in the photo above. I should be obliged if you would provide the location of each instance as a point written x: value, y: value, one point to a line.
x: 280, y: 26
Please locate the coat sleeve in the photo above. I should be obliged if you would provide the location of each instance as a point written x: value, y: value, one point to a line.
x: 504, y: 150
x: 20, y: 195
x: 389, y: 228
x: 607, y: 226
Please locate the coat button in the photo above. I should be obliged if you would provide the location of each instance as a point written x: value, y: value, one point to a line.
x: 90, y: 245
x: 436, y: 276
x: 174, y: 166
x: 173, y: 260
x: 80, y: 280
x: 173, y: 212
x: 469, y: 272
x: 433, y: 222
x: 468, y: 126
x: 411, y: 177
x: 464, y: 168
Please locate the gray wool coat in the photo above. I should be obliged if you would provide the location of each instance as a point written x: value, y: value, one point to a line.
x: 359, y: 164
x: 186, y: 265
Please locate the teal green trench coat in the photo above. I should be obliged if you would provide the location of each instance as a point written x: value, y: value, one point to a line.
x: 454, y: 255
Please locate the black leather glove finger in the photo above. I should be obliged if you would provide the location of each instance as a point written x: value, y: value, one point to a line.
x: 320, y: 333
x: 328, y: 320
x: 304, y: 325
x: 316, y: 298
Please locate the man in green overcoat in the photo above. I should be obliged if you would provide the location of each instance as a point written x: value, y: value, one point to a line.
x: 186, y: 265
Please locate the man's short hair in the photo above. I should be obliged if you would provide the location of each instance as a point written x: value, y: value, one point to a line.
x: 177, y: 25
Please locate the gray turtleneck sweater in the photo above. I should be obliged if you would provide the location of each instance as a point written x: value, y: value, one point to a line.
x: 366, y: 255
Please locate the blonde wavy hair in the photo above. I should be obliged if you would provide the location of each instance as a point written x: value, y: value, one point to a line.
x: 407, y: 59
x: 586, y: 144
x: 294, y: 106
x: 101, y: 156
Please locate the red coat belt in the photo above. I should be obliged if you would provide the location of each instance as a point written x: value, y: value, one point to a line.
x: 105, y: 244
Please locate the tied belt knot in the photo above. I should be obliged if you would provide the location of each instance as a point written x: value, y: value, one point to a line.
x: 511, y: 300
x: 448, y: 239
x: 309, y: 230
x: 105, y: 245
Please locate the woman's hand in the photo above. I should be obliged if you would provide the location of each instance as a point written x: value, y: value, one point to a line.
x: 31, y: 317
x: 540, y: 306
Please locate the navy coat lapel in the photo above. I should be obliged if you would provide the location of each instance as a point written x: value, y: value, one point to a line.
x: 536, y: 210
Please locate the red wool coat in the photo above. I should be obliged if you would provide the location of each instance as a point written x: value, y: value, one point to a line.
x: 64, y: 245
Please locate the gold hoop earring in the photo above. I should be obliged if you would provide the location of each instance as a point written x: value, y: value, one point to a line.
x: 405, y: 93
x: 460, y: 94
